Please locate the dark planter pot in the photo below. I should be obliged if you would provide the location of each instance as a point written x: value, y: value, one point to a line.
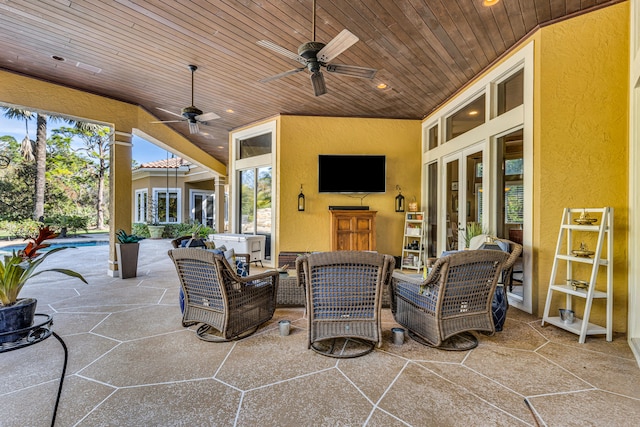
x: 15, y: 317
x: 127, y: 259
x: 499, y: 307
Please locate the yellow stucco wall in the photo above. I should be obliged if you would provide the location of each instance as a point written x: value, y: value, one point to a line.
x: 302, y: 139
x: 580, y: 137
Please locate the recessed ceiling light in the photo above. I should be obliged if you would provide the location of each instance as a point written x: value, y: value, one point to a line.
x: 229, y: 110
x: 473, y: 113
x: 88, y: 67
x: 488, y: 3
x: 57, y: 58
x: 382, y: 86
x: 220, y: 147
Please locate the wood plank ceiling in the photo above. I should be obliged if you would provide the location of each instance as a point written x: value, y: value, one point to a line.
x: 138, y: 51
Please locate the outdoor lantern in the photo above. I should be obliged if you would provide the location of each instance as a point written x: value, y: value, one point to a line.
x: 399, y: 200
x: 301, y: 200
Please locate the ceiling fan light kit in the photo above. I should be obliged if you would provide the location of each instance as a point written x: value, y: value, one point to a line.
x: 314, y: 55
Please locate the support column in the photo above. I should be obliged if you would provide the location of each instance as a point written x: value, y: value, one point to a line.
x: 120, y: 193
x: 220, y: 213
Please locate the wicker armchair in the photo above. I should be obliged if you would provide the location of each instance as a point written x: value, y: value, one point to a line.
x: 454, y: 298
x: 344, y: 292
x: 515, y: 250
x: 221, y: 300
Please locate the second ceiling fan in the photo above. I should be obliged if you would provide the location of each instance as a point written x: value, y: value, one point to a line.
x: 315, y: 55
x: 191, y: 114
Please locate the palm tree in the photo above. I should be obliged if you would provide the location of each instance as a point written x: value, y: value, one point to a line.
x: 96, y: 139
x: 40, y: 152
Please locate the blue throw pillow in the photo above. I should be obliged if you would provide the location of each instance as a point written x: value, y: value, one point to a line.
x: 242, y: 268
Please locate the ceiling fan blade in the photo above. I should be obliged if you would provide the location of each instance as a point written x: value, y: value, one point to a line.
x: 193, y: 127
x: 335, y: 47
x: 286, y: 73
x: 170, y: 112
x: 207, y: 117
x: 282, y: 51
x: 169, y: 121
x: 317, y: 80
x: 352, y: 71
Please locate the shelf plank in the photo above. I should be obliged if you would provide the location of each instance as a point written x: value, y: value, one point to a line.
x: 582, y: 293
x: 576, y: 326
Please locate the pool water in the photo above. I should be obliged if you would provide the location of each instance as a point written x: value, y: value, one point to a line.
x: 11, y: 248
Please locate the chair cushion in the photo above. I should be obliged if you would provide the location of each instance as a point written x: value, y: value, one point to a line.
x: 408, y: 291
x: 242, y: 268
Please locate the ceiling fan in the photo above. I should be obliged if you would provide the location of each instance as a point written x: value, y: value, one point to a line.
x: 191, y: 114
x: 315, y: 55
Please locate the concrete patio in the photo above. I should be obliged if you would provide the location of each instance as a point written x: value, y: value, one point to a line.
x: 131, y: 363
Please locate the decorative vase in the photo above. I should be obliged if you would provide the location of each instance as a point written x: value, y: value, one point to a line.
x: 15, y: 317
x: 499, y: 306
x: 155, y: 231
x: 127, y: 259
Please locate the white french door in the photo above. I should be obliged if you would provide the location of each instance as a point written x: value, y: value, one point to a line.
x: 202, y: 208
x: 462, y: 190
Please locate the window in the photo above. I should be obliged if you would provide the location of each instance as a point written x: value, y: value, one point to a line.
x: 514, y: 203
x: 254, y: 146
x: 433, y: 137
x: 140, y: 208
x: 511, y: 92
x: 468, y: 117
x: 167, y: 206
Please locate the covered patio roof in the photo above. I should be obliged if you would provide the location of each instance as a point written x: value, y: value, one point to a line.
x: 424, y: 51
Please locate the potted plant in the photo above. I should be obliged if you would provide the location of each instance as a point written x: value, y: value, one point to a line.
x: 127, y: 251
x: 15, y: 269
x: 155, y: 228
x: 472, y: 230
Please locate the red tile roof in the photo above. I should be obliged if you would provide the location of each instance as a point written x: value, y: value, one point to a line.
x: 172, y: 163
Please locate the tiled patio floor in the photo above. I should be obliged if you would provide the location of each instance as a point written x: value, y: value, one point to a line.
x: 131, y: 363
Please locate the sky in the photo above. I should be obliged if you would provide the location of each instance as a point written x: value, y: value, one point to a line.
x: 142, y: 151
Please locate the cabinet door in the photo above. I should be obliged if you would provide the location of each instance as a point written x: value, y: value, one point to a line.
x: 342, y: 231
x: 353, y: 231
x: 362, y: 236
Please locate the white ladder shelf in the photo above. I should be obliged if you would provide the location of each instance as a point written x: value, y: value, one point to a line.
x: 565, y: 253
x: 413, y: 241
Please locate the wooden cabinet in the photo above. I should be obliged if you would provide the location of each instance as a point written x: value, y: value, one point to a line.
x: 353, y: 230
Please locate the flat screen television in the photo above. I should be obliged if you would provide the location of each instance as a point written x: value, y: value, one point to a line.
x: 352, y: 173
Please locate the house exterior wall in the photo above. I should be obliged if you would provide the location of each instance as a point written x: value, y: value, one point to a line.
x: 581, y: 137
x: 302, y: 138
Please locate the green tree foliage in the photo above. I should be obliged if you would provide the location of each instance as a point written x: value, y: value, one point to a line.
x: 71, y: 182
x: 96, y: 139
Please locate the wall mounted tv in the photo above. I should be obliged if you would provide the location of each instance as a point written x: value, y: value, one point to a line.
x: 351, y: 173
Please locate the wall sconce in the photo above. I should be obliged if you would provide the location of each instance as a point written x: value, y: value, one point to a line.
x: 399, y: 200
x: 301, y: 200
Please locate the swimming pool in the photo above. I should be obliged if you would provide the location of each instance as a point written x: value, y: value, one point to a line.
x: 10, y: 248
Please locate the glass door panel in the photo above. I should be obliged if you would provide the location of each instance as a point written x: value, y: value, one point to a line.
x: 256, y: 204
x: 452, y: 174
x: 247, y: 201
x: 432, y: 214
x: 510, y: 199
x: 263, y: 207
